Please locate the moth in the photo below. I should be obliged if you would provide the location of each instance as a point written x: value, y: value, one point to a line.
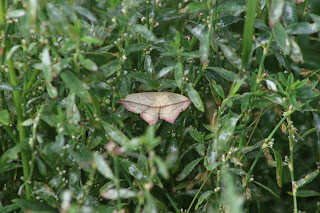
x: 151, y: 105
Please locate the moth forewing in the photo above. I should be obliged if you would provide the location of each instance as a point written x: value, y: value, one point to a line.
x: 151, y: 115
x: 150, y: 104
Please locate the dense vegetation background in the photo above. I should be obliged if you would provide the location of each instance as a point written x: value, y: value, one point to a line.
x: 249, y: 142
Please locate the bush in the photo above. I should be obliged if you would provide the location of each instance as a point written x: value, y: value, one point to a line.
x: 248, y: 142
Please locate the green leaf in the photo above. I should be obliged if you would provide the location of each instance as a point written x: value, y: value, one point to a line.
x: 275, y: 12
x: 4, y: 117
x: 227, y: 130
x: 303, y: 28
x: 307, y: 179
x: 8, y: 87
x: 224, y: 73
x: 9, y: 166
x: 87, y: 63
x: 289, y: 13
x: 204, y: 47
x: 114, y: 194
x: 91, y: 40
x: 230, y: 197
x: 16, y: 13
x: 294, y: 102
x: 245, y: 102
x: 248, y: 31
x: 94, y: 141
x: 275, y: 98
x: 133, y: 169
x: 12, y: 51
x: 231, y: 6
x: 178, y: 74
x: 195, y: 98
x: 41, y: 166
x: 33, y: 206
x: 188, y: 169
x: 52, y: 91
x: 306, y: 193
x: 282, y: 38
x: 45, y: 193
x: 85, y: 13
x: 135, y: 47
x: 235, y: 89
x: 9, y: 208
x: 46, y: 65
x: 110, y: 68
x: 13, y: 153
x: 116, y: 135
x: 102, y: 166
x: 231, y: 56
x: 177, y: 40
x: 145, y: 32
x: 203, y: 197
x: 76, y: 86
x: 164, y: 71
x: 196, y: 135
x: 296, y: 54
x: 279, y: 167
x: 148, y: 66
x: 266, y: 188
x: 194, y: 7
x: 162, y: 167
x: 314, y: 17
x: 218, y: 88
x: 212, y: 155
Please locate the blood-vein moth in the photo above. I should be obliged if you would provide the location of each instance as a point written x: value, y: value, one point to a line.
x: 152, y: 104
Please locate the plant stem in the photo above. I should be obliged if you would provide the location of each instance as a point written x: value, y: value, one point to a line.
x: 291, y: 167
x: 265, y: 52
x: 195, y: 197
x: 2, y: 17
x: 246, y: 180
x: 22, y: 134
x: 172, y: 203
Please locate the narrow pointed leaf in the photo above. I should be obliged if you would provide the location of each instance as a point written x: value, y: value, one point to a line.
x: 275, y: 12
x: 102, y: 166
x: 282, y: 38
x: 307, y: 179
x: 195, y: 98
x: 204, y: 47
x: 279, y: 167
x: 303, y: 28
x: 76, y: 86
x: 145, y: 32
x: 188, y: 169
x: 114, y: 194
x: 4, y: 117
x: 178, y: 74
x: 115, y: 134
x: 227, y: 130
x: 231, y: 55
x: 133, y: 169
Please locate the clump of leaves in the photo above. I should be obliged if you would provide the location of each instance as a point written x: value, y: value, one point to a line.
x: 249, y: 140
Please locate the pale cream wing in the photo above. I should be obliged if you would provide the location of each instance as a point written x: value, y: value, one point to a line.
x: 150, y: 104
x: 170, y: 112
x: 145, y: 98
x: 134, y: 107
x: 151, y: 115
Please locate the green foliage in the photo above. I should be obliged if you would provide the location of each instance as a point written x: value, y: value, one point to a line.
x: 249, y: 141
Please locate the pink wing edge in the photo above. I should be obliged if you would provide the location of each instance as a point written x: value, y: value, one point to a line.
x: 150, y: 122
x: 185, y: 105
